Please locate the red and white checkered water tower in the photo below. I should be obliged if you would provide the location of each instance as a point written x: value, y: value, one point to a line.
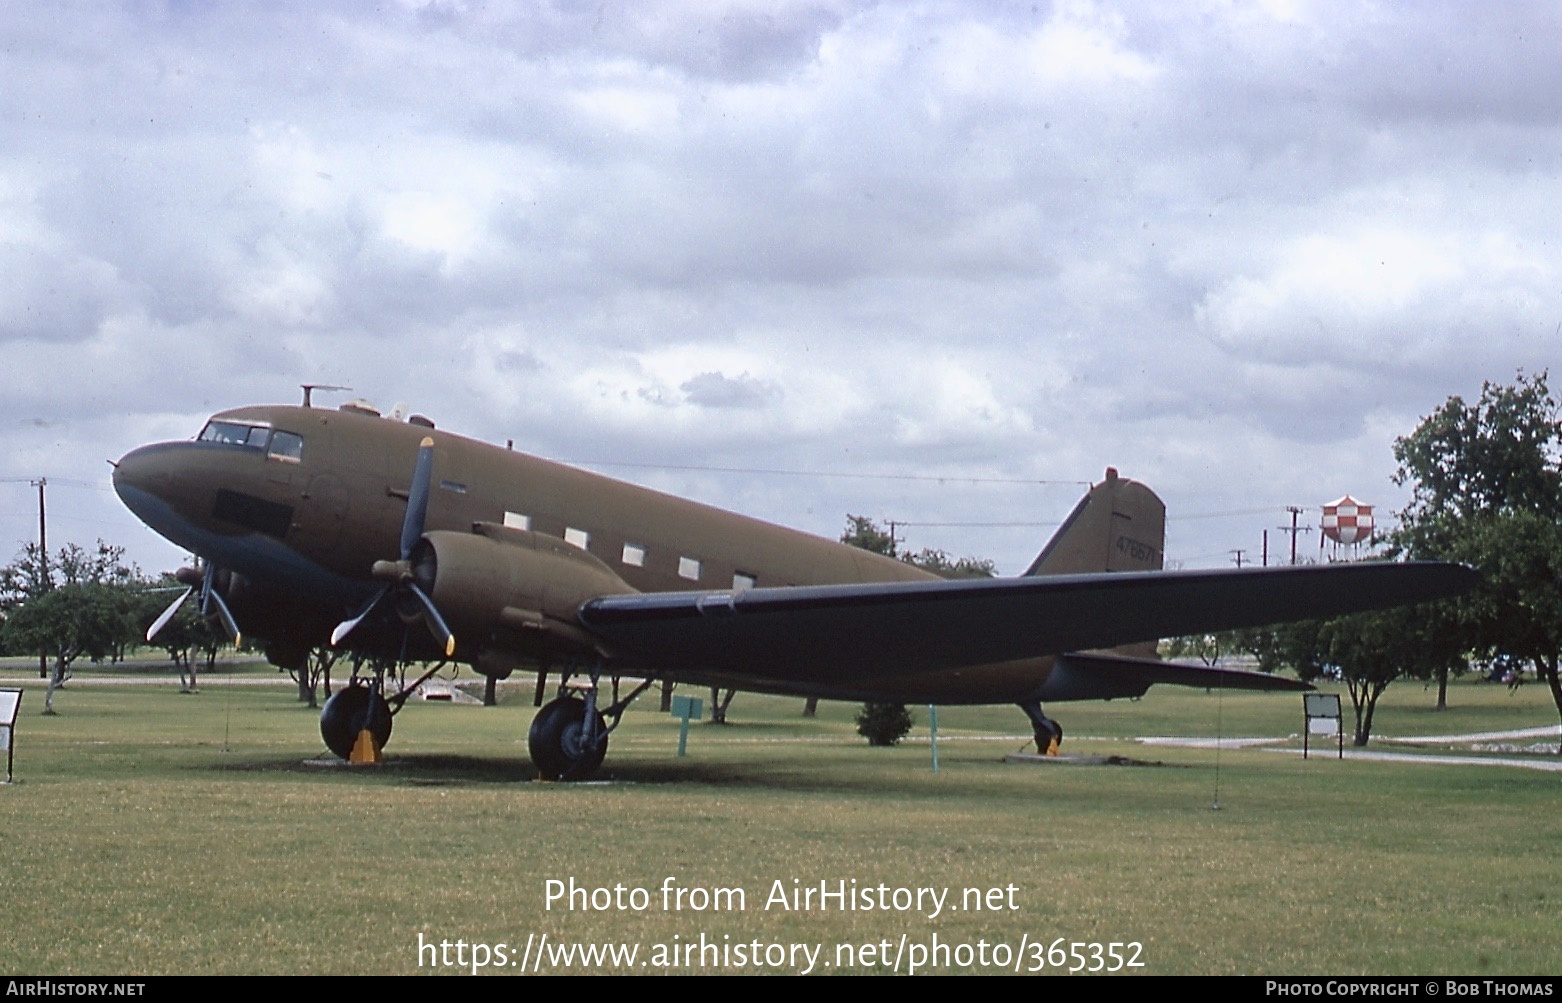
x: 1347, y: 522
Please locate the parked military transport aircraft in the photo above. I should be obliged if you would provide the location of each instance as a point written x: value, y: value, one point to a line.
x: 401, y: 542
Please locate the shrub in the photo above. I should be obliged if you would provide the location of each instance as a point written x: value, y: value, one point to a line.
x: 883, y: 723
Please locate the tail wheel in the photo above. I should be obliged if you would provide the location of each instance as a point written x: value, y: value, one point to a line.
x: 558, y: 744
x: 350, y: 711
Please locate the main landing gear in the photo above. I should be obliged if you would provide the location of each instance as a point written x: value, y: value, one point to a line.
x: 352, y: 710
x: 568, y: 737
x: 356, y: 721
x: 1049, y: 733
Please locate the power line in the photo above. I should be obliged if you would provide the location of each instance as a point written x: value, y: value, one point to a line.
x: 934, y: 478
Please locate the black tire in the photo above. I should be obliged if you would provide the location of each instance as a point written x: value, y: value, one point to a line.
x: 556, y: 745
x: 348, y: 712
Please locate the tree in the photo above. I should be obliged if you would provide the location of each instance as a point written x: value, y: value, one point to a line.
x: 719, y: 704
x: 1367, y: 651
x: 80, y: 603
x: 940, y: 563
x: 1487, y: 491
x: 865, y: 534
x: 1372, y: 650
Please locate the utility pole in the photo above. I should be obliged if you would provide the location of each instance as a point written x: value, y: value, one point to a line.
x: 1293, y: 529
x: 43, y: 566
x: 1266, y: 548
x: 1236, y: 556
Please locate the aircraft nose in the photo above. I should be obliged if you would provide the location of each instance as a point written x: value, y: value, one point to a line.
x: 144, y: 480
x: 139, y: 471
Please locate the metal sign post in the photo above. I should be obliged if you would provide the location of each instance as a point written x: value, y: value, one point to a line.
x: 10, y: 700
x: 932, y: 720
x: 686, y: 708
x: 1323, y: 718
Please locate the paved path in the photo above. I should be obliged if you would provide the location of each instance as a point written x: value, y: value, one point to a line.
x: 1548, y: 763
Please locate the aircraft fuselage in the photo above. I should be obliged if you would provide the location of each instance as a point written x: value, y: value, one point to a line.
x: 301, y: 502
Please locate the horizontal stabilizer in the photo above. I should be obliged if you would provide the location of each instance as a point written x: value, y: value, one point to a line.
x: 1107, y: 677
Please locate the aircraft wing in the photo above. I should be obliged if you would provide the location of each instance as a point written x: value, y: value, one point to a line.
x: 842, y: 632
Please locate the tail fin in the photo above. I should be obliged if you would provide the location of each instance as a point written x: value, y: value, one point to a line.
x: 1119, y: 526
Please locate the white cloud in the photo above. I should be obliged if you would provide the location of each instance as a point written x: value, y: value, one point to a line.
x: 963, y: 238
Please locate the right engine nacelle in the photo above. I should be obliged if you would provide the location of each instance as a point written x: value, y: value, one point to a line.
x: 499, y: 575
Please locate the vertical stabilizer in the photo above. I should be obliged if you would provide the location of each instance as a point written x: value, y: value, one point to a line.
x: 1119, y: 526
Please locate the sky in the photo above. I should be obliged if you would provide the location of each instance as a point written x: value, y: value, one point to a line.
x: 935, y: 263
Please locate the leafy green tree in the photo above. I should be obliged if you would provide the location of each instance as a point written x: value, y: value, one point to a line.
x: 940, y: 563
x: 1372, y: 650
x: 1367, y: 651
x: 1487, y: 491
x: 865, y: 534
x: 80, y: 603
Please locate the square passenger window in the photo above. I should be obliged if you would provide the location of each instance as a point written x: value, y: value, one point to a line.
x: 689, y: 568
x: 634, y: 555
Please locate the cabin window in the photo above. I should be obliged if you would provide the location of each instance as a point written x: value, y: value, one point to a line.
x: 287, y: 447
x: 634, y: 555
x: 578, y: 537
x: 233, y: 433
x: 743, y: 580
x: 689, y: 568
x: 515, y: 520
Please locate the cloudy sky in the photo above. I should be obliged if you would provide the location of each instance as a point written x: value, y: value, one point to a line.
x: 936, y: 263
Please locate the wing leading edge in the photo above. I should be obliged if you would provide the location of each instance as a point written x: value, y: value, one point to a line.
x: 835, y: 633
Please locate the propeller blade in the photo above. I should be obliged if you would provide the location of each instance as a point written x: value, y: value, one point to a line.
x: 417, y: 497
x: 226, y: 616
x: 346, y: 626
x: 168, y: 614
x: 208, y: 587
x: 436, y: 623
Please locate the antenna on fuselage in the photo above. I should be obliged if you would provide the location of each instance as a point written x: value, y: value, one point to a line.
x: 310, y: 388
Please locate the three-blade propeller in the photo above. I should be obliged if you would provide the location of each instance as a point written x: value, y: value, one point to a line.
x: 212, y: 605
x: 403, y: 588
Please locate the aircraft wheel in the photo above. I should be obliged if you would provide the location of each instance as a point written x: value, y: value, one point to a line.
x: 348, y: 712
x: 557, y: 741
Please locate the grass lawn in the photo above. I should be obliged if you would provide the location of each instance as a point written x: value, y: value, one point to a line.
x: 151, y: 832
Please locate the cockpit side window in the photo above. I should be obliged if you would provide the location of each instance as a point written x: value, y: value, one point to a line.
x: 286, y: 446
x: 236, y: 434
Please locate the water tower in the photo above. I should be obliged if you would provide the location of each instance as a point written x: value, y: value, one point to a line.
x: 1347, y: 523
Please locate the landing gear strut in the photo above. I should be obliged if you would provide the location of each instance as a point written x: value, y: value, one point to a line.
x: 362, y: 706
x: 568, y: 737
x: 1049, y: 733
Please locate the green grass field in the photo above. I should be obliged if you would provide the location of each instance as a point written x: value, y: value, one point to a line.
x: 151, y: 832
